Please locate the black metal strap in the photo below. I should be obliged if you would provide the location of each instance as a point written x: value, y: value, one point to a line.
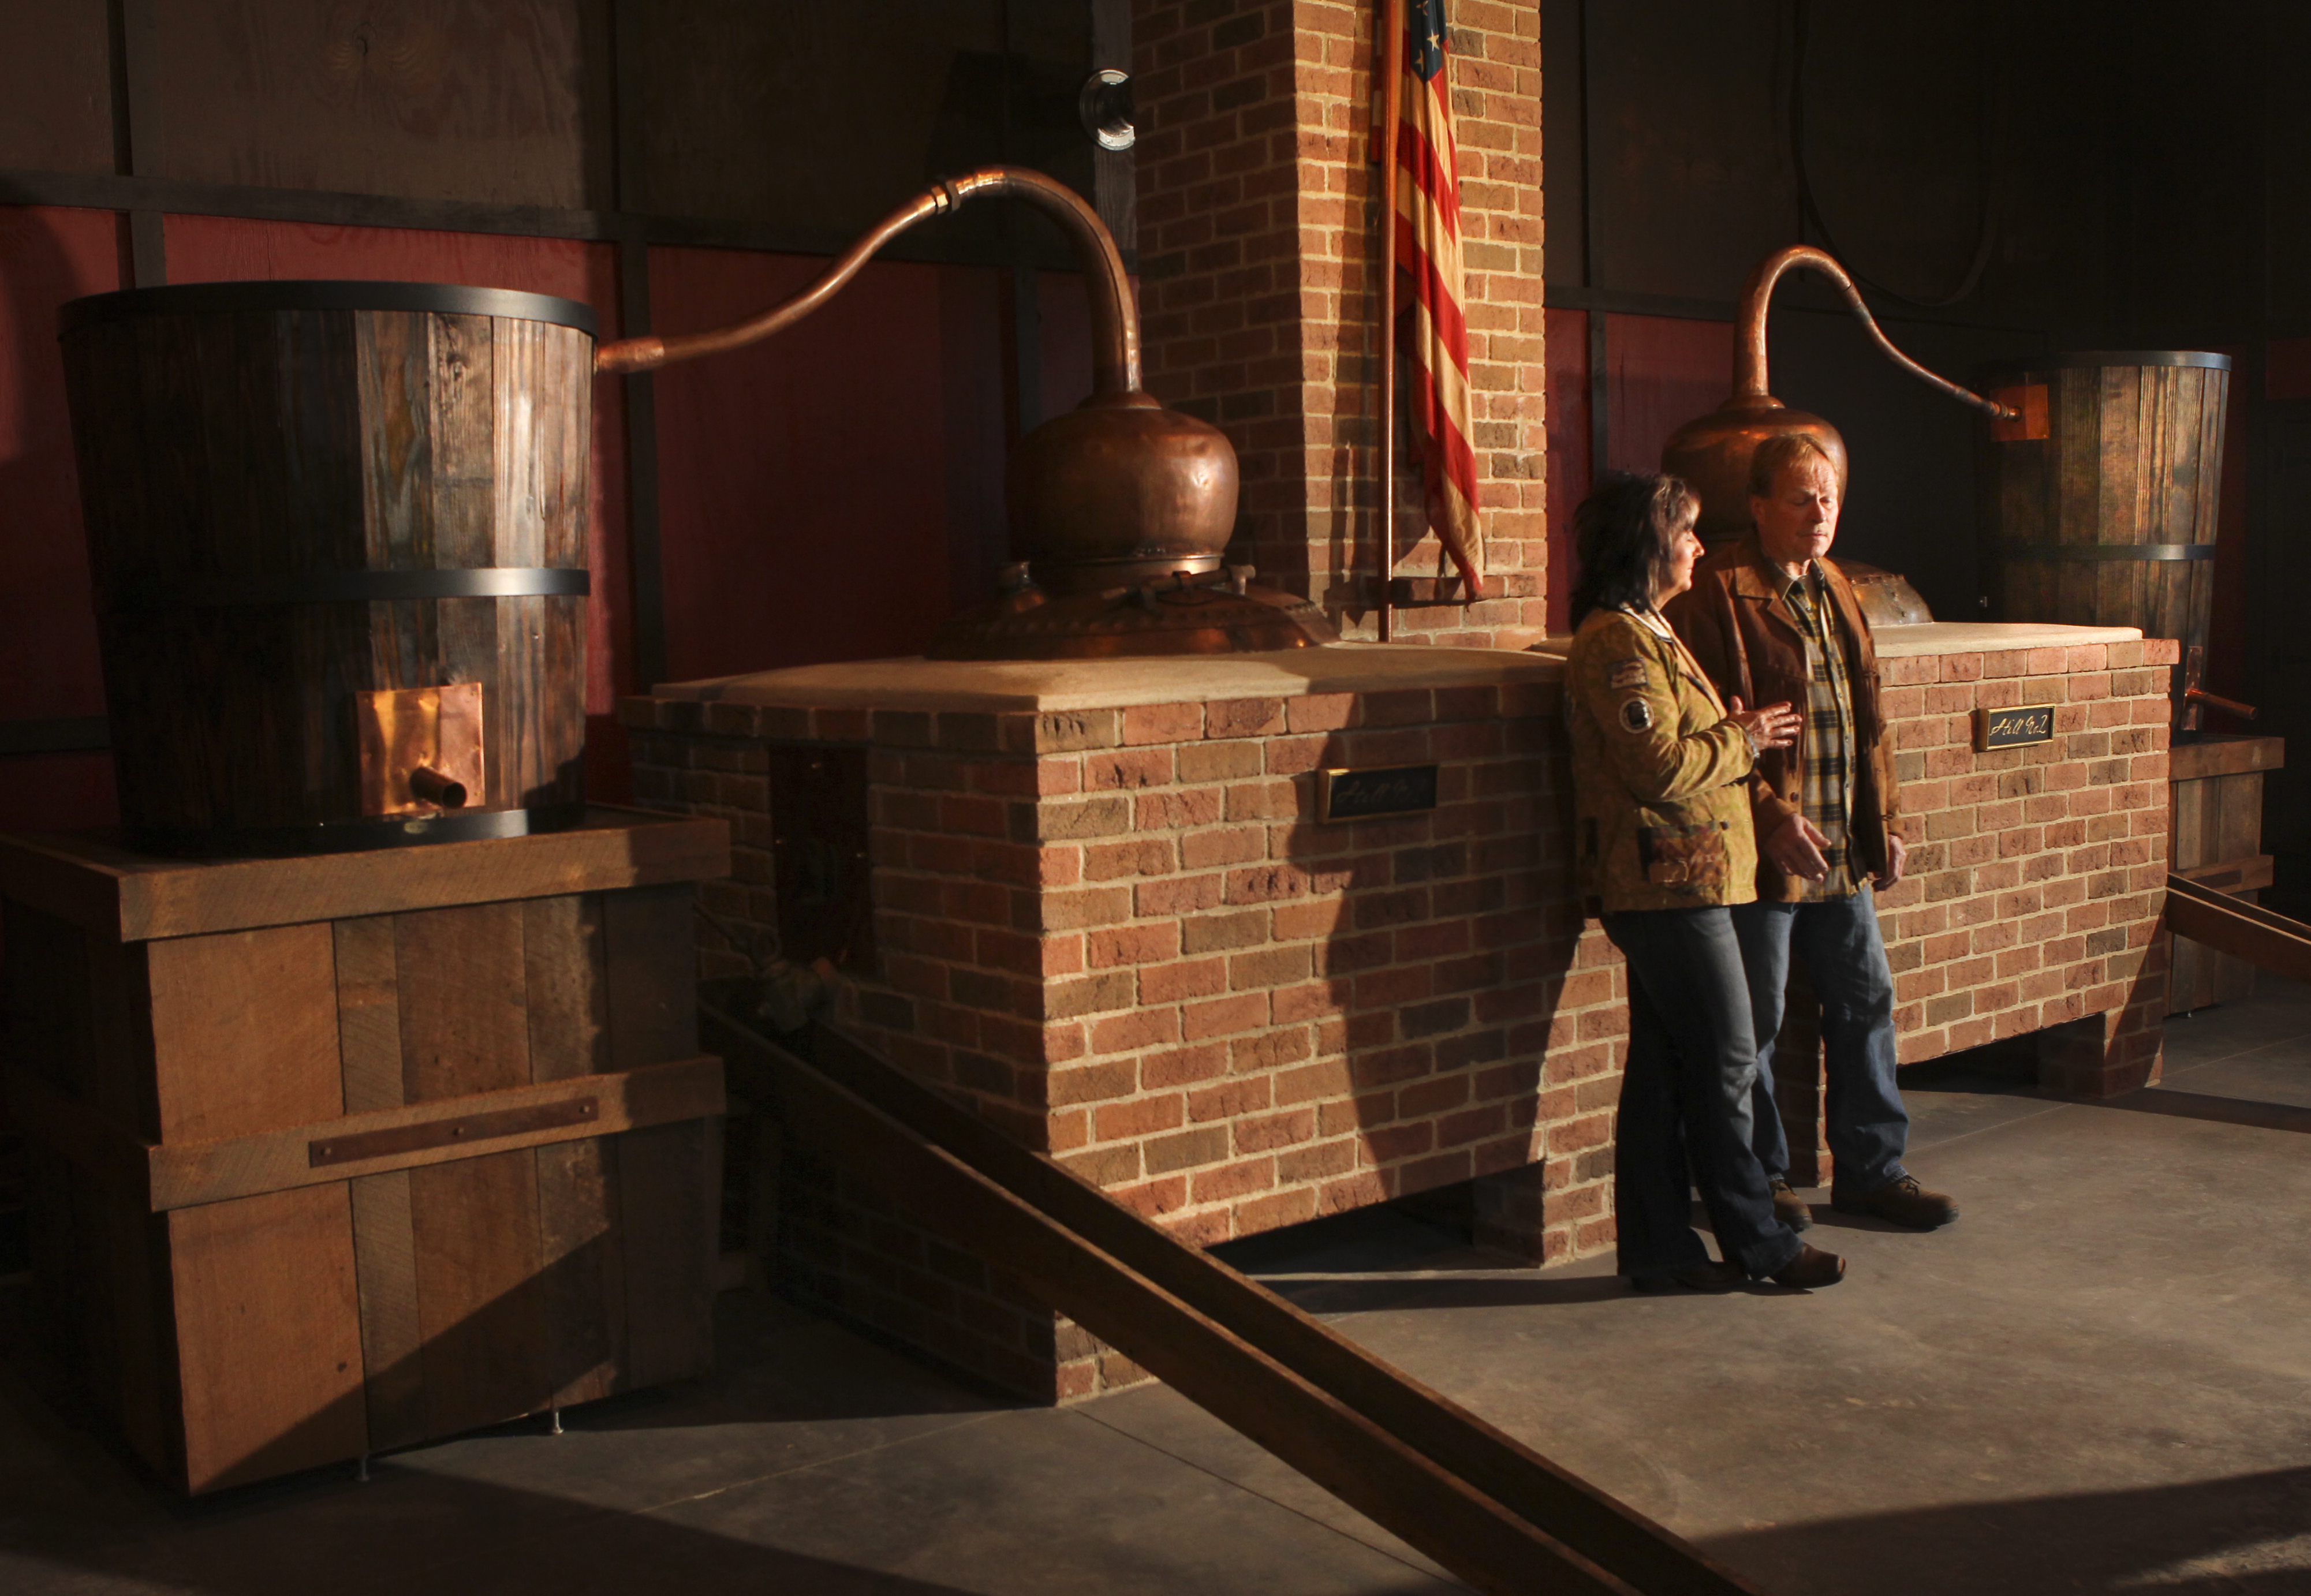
x: 2091, y: 551
x: 356, y: 587
x: 212, y: 299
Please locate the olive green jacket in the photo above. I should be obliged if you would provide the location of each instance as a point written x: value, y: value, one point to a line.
x: 1659, y: 775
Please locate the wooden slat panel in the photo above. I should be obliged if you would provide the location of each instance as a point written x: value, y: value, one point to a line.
x: 652, y: 974
x: 432, y: 99
x: 2233, y: 875
x: 392, y: 1336
x: 667, y: 1182
x: 369, y: 1013
x: 465, y: 1029
x: 55, y: 90
x: 268, y: 1331
x: 2225, y: 756
x: 565, y: 960
x: 481, y: 1303
x: 624, y: 1099
x: 667, y: 1177
x: 580, y: 1239
x: 125, y: 1300
x: 133, y: 897
x: 245, y: 1032
x: 184, y: 1174
x: 465, y: 1026
x: 584, y: 1280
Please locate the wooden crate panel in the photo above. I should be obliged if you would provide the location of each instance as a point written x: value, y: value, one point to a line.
x: 309, y: 1189
x: 245, y: 1032
x: 268, y: 1339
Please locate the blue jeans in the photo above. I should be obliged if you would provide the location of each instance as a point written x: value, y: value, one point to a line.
x: 1844, y: 960
x: 1693, y: 1062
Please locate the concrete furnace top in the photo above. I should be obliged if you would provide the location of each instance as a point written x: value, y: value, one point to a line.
x: 998, y: 685
x: 1989, y: 637
x: 1958, y: 637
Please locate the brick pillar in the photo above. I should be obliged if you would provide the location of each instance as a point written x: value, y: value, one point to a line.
x: 1257, y: 211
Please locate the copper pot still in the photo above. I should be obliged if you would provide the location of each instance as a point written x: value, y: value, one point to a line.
x: 1120, y: 511
x: 1713, y: 452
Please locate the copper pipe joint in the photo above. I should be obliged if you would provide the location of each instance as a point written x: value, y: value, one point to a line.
x: 430, y: 786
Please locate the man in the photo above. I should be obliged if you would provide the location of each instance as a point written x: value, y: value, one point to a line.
x: 1771, y: 619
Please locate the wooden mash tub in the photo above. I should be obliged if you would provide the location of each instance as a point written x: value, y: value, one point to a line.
x: 340, y: 1144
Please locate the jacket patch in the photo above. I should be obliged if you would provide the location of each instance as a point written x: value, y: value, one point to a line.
x: 1629, y: 673
x: 1636, y: 715
x: 1691, y: 858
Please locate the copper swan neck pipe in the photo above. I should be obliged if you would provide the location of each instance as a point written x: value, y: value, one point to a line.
x: 1757, y: 293
x: 1114, y: 320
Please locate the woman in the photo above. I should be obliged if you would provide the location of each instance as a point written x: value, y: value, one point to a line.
x: 1661, y: 785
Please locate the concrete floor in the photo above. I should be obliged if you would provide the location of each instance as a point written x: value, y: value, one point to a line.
x: 2094, y: 1381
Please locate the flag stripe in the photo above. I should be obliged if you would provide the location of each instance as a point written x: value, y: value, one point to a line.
x: 1425, y: 241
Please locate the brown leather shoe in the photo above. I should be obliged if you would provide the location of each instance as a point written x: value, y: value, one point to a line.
x: 1811, y: 1269
x: 1789, y: 1207
x: 1701, y: 1277
x: 1902, y: 1202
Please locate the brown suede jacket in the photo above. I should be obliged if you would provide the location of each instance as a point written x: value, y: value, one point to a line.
x: 1734, y: 619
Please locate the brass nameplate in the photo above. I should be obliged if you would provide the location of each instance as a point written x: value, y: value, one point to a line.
x: 2011, y: 728
x: 447, y: 1133
x: 1368, y: 795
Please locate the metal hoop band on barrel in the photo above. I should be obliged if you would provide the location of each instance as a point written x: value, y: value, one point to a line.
x: 440, y: 299
x: 2079, y: 360
x: 357, y: 587
x: 2091, y: 551
x: 349, y: 836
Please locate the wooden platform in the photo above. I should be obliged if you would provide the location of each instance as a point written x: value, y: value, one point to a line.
x: 335, y: 1154
x: 2217, y: 842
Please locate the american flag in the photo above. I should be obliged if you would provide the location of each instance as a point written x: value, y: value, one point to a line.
x: 1433, y: 334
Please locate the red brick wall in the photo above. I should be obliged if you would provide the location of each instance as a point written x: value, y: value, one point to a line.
x: 1122, y: 935
x: 2037, y: 873
x: 1257, y: 217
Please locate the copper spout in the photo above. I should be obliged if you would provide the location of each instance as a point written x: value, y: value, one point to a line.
x: 433, y: 787
x: 2228, y: 706
x: 1713, y: 452
x: 1114, y: 321
x: 1757, y: 293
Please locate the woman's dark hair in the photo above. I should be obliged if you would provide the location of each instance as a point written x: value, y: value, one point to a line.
x: 1622, y: 534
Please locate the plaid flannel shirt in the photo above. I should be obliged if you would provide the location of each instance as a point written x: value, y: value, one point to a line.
x: 1827, y: 797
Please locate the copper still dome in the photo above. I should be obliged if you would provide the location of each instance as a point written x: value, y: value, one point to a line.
x: 1120, y: 510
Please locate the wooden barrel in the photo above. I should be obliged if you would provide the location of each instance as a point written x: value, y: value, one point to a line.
x: 2098, y: 503
x: 338, y: 538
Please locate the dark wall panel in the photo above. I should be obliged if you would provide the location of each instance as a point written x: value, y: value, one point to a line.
x: 836, y: 492
x: 49, y: 663
x: 1567, y: 374
x: 819, y: 119
x: 803, y: 481
x: 468, y: 99
x: 1661, y: 371
x: 1689, y: 180
x: 56, y: 95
